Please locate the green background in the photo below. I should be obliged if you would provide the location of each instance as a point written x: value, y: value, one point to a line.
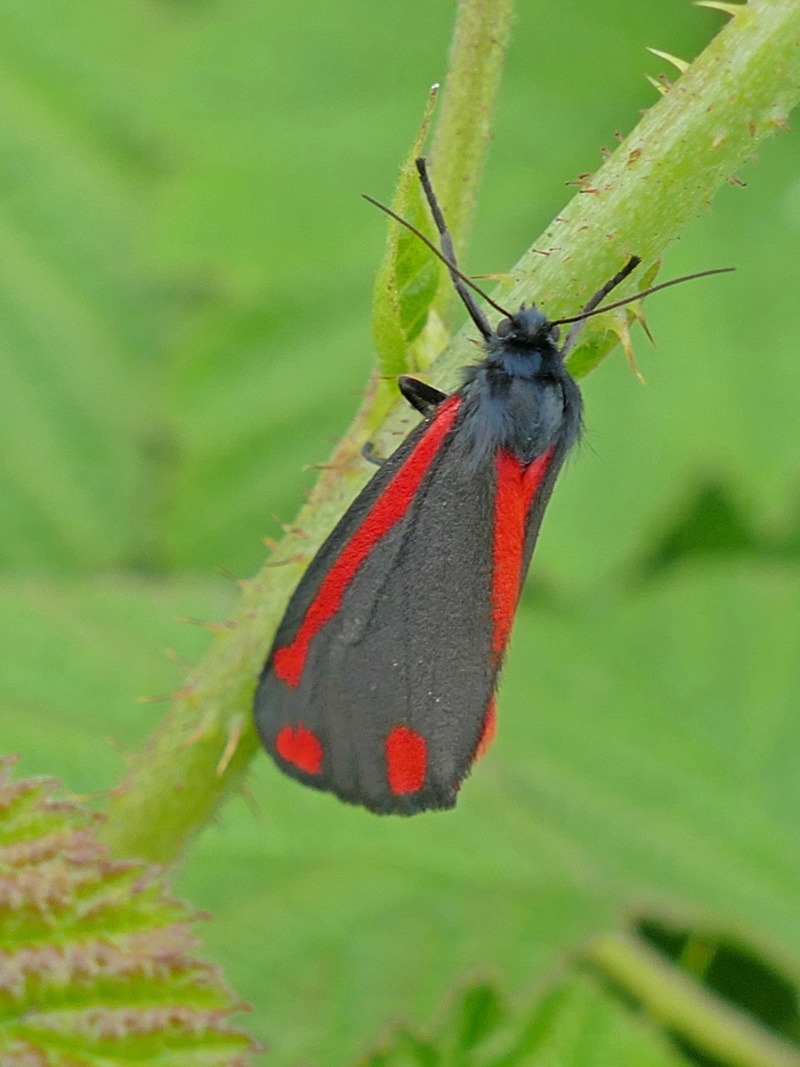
x: 185, y: 290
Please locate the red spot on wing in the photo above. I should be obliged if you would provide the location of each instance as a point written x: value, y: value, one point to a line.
x: 300, y: 746
x: 516, y: 487
x: 288, y: 662
x: 488, y: 730
x: 406, y: 760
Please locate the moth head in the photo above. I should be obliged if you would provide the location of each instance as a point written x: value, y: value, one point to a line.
x: 527, y: 327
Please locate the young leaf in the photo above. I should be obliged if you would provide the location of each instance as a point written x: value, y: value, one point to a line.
x: 408, y: 276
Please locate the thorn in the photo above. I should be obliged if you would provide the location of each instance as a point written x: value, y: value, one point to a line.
x: 639, y: 316
x: 718, y: 5
x: 250, y: 800
x: 658, y: 86
x: 214, y: 627
x: 298, y: 558
x: 737, y: 181
x: 226, y: 573
x: 234, y: 736
x: 157, y: 698
x: 581, y: 180
x: 270, y: 542
x: 199, y: 732
x: 295, y: 531
x: 83, y: 798
x: 680, y: 64
x: 624, y: 334
x: 178, y: 659
x: 116, y: 746
x: 619, y: 135
x: 502, y: 278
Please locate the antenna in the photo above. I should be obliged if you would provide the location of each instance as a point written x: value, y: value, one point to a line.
x: 460, y: 280
x: 447, y: 253
x: 463, y: 284
x: 587, y: 314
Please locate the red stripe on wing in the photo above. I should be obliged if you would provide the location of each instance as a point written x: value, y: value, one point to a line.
x: 488, y: 730
x: 301, y: 747
x: 406, y: 760
x: 288, y: 662
x: 516, y: 487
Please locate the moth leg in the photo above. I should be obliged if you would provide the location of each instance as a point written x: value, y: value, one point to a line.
x: 422, y: 397
x: 370, y: 455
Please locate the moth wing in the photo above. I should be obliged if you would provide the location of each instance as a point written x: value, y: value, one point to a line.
x: 389, y: 707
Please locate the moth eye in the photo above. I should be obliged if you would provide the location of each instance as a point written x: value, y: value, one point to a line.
x: 555, y: 333
x: 504, y: 327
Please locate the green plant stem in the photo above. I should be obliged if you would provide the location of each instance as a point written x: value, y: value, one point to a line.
x: 476, y: 63
x: 740, y: 90
x: 690, y: 1010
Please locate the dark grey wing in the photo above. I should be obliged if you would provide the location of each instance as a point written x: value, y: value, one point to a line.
x: 390, y: 704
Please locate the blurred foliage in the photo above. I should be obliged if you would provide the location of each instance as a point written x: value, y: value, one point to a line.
x: 575, y: 1023
x: 185, y: 287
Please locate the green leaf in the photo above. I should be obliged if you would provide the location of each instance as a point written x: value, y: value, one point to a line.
x: 74, y: 317
x: 95, y: 956
x: 88, y: 665
x: 409, y: 275
x: 409, y: 294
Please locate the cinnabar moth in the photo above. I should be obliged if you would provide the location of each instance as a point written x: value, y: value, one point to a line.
x: 380, y: 683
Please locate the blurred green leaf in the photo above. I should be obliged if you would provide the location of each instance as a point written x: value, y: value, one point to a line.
x: 645, y: 754
x: 574, y: 1024
x: 80, y: 656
